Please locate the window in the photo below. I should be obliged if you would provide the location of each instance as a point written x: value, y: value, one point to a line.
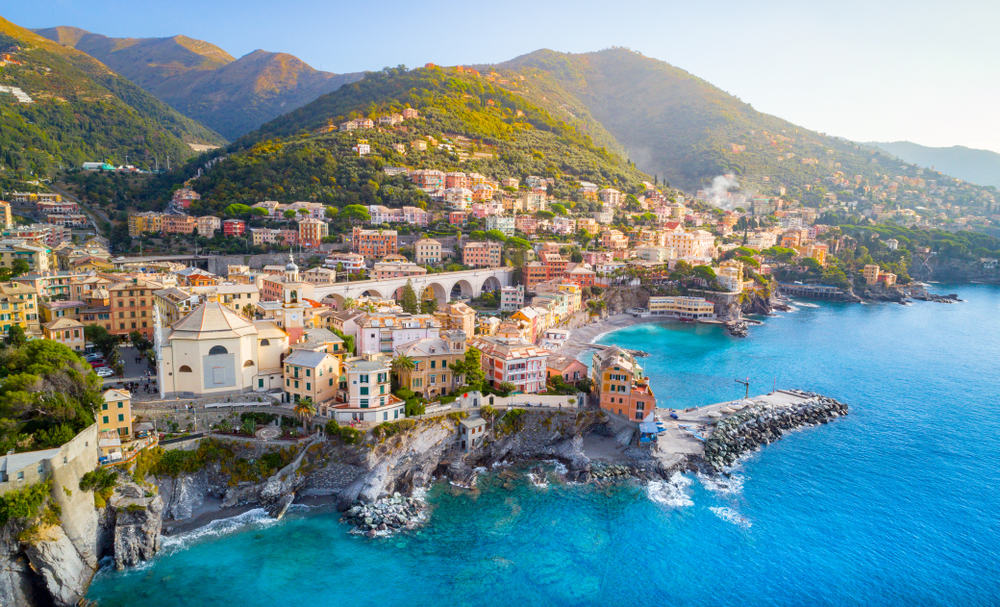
x: 106, y: 421
x: 364, y: 390
x: 308, y: 372
x: 184, y: 369
x: 218, y: 350
x: 363, y: 379
x: 260, y: 383
x: 364, y: 403
x: 308, y: 386
x: 433, y: 365
x: 121, y: 417
x: 265, y: 342
x: 104, y: 407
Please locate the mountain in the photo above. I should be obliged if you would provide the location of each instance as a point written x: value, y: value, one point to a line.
x: 61, y: 107
x: 970, y: 164
x: 467, y: 122
x: 204, y: 82
x: 680, y: 127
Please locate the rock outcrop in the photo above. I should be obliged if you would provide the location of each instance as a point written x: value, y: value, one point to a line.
x: 761, y: 424
x: 138, y: 521
x: 64, y: 571
x: 386, y: 516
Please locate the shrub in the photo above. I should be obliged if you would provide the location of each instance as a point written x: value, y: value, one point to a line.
x: 98, y: 479
x: 23, y: 504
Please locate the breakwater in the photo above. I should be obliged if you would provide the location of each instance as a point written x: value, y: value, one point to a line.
x: 765, y: 421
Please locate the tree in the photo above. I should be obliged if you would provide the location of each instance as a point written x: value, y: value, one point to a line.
x: 101, y: 338
x: 289, y: 214
x: 248, y: 310
x: 428, y: 306
x: 139, y: 341
x: 15, y: 336
x: 506, y: 388
x: 305, y: 409
x: 355, y: 213
x: 19, y: 267
x: 402, y: 363
x: 408, y: 300
x: 331, y: 212
x: 471, y: 368
x: 303, y: 212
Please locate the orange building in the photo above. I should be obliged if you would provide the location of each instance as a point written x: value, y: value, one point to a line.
x: 131, y: 306
x: 375, y: 243
x: 621, y: 385
x: 482, y: 254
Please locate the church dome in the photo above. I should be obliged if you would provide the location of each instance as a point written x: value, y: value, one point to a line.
x: 212, y: 320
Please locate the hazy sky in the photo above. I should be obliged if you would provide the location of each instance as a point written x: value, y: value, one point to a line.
x: 924, y: 71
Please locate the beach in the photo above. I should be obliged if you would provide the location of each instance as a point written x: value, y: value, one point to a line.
x: 582, y: 337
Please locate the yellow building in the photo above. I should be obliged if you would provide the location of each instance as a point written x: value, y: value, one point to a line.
x: 311, y: 374
x: 140, y: 223
x: 18, y: 306
x: 40, y: 259
x: 6, y: 219
x: 66, y: 331
x: 116, y: 413
x: 871, y: 273
x: 433, y: 359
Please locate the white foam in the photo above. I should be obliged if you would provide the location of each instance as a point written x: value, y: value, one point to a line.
x: 256, y: 518
x: 722, y: 485
x: 731, y: 516
x: 806, y: 304
x: 674, y: 493
x: 538, y: 479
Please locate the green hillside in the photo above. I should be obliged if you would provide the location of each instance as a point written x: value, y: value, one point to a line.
x: 202, y: 81
x: 482, y: 128
x: 682, y: 128
x: 74, y: 109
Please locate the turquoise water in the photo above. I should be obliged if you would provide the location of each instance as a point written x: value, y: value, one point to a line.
x: 897, y: 503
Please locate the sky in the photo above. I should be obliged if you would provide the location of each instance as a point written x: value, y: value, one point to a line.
x: 883, y: 70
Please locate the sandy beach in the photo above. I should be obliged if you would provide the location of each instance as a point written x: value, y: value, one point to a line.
x: 581, y: 337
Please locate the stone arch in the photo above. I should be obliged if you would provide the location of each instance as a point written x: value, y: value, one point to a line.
x: 265, y: 342
x: 492, y: 284
x: 372, y: 293
x: 184, y: 369
x: 435, y: 290
x: 218, y: 350
x: 462, y: 288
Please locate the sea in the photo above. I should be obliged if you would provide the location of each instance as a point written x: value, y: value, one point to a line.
x: 896, y: 504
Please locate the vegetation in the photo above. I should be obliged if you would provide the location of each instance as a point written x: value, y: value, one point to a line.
x: 173, y: 463
x: 347, y: 434
x: 24, y: 504
x: 81, y: 111
x: 47, y: 395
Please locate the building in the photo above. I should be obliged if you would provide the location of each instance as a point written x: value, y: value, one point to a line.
x: 208, y: 225
x: 458, y: 316
x: 511, y: 298
x: 513, y: 361
x: 683, y: 307
x: 396, y: 269
x: 66, y: 331
x: 39, y: 258
x: 311, y: 374
x: 432, y: 358
x: 131, y: 307
x: 871, y: 273
x: 730, y: 276
x: 234, y: 227
x: 374, y: 244
x: 320, y: 276
x: 485, y: 254
x: 368, y: 396
x: 611, y: 197
x: 313, y: 231
x: 427, y: 251
x: 387, y: 332
x: 116, y: 413
x: 18, y: 306
x: 621, y: 385
x: 214, y: 351
x: 6, y: 218
x: 471, y: 433
x: 345, y: 262
x: 504, y: 223
x: 179, y: 224
x: 568, y: 368
x: 141, y: 223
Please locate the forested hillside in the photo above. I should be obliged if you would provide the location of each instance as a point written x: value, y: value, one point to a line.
x: 60, y: 107
x: 468, y: 123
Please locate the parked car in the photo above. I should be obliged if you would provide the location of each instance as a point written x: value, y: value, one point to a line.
x: 97, y: 364
x: 93, y: 356
x: 104, y: 372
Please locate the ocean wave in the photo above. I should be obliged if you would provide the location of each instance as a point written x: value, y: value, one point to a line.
x: 731, y: 516
x: 723, y: 485
x: 674, y: 493
x: 255, y: 518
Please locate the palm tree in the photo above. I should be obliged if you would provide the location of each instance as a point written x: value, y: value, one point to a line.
x: 248, y: 311
x: 305, y: 409
x: 402, y: 362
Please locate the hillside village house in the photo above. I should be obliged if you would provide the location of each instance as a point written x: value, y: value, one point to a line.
x: 66, y: 331
x: 311, y: 374
x: 368, y: 396
x: 387, y: 332
x: 513, y: 361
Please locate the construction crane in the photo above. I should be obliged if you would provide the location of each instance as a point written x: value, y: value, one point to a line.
x: 746, y: 384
